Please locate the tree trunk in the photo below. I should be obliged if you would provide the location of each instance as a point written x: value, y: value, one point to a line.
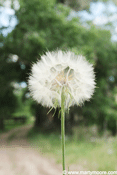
x: 100, y: 122
x: 105, y: 127
x: 61, y: 1
x: 40, y: 116
x: 116, y: 127
x: 2, y: 127
x: 69, y: 122
x: 56, y: 120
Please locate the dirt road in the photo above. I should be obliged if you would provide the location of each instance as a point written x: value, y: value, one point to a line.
x: 18, y: 158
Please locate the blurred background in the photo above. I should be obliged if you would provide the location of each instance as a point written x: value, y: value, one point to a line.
x: 28, y: 30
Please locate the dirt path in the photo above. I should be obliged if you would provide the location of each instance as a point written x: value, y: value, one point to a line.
x: 18, y: 158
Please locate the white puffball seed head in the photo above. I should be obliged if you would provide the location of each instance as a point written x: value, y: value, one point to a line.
x: 60, y: 69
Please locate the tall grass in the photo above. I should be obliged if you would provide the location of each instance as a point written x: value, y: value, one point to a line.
x: 93, y: 154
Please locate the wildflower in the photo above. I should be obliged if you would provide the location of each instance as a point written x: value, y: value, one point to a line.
x: 62, y: 79
x: 60, y: 69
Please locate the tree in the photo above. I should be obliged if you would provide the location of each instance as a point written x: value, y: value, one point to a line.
x: 45, y: 25
x: 8, y: 101
x: 78, y: 5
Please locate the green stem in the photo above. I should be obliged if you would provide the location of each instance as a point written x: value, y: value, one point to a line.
x: 63, y: 127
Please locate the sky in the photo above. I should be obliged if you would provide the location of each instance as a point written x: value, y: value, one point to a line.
x: 7, y: 19
x: 100, y: 14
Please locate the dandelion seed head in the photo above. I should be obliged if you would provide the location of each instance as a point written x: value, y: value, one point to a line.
x: 60, y: 69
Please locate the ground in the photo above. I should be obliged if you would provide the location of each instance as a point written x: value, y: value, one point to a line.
x: 17, y: 157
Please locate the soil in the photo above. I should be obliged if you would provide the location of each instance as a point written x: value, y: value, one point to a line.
x: 17, y: 157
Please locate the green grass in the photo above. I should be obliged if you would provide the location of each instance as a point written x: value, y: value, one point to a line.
x: 9, y: 127
x: 10, y: 124
x: 100, y: 155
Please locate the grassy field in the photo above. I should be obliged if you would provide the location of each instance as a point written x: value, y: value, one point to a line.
x: 10, y: 124
x: 94, y: 155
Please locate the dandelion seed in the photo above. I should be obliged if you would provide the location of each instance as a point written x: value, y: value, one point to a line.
x: 61, y: 69
x: 62, y: 79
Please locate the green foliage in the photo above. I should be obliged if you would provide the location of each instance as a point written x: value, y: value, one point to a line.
x: 45, y: 25
x: 82, y: 5
x: 23, y: 105
x: 78, y: 5
x: 98, y: 155
x: 8, y: 101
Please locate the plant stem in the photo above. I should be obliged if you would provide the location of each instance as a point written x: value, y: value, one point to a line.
x: 63, y: 127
